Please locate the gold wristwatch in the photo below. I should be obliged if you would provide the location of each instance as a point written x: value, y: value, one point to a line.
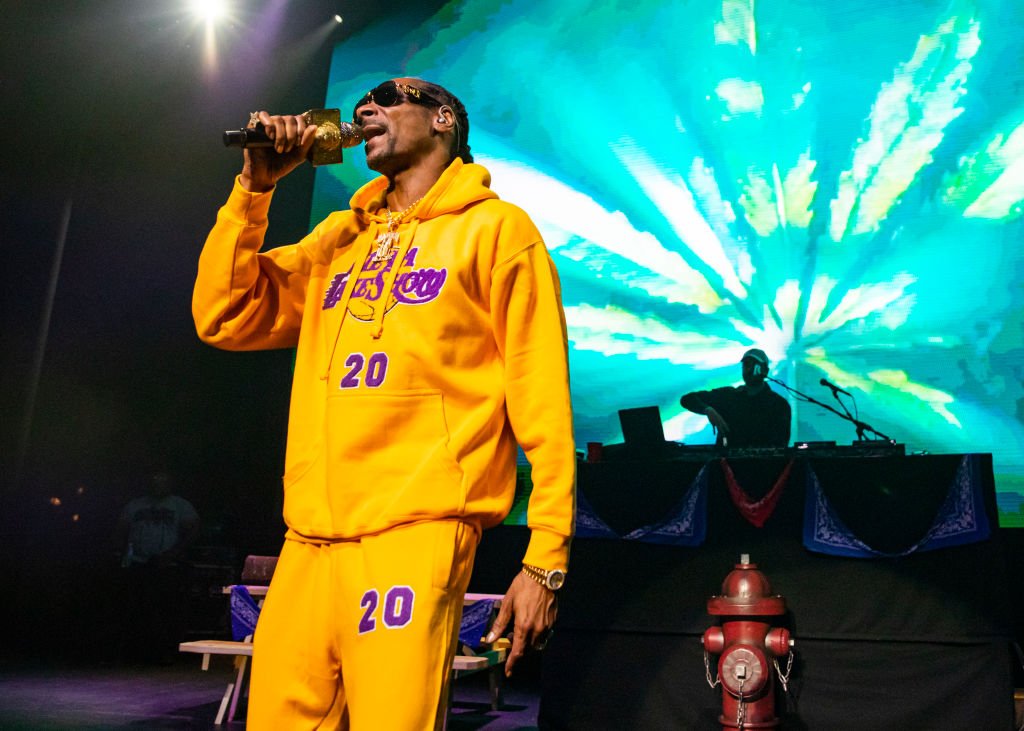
x: 553, y: 579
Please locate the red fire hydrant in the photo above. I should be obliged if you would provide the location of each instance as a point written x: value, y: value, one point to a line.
x: 746, y: 640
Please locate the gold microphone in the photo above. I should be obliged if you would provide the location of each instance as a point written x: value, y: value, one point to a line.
x: 332, y: 135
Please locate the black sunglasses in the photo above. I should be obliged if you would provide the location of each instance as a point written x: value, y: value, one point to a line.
x: 393, y: 93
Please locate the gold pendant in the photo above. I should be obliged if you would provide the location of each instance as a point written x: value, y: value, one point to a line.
x: 385, y: 246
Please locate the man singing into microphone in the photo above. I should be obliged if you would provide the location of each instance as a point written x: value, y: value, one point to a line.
x: 751, y: 415
x: 430, y: 340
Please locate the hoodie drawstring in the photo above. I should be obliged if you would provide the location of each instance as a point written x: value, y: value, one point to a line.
x: 357, y: 268
x: 404, y: 244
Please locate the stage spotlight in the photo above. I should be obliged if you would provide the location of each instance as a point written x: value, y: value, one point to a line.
x: 209, y: 10
x: 338, y: 19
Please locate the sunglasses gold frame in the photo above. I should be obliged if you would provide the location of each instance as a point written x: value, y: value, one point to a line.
x: 411, y: 93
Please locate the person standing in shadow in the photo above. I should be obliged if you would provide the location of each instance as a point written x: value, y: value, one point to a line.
x: 154, y: 532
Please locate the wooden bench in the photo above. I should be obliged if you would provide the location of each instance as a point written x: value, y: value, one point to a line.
x: 241, y: 651
x: 464, y: 663
x: 256, y: 574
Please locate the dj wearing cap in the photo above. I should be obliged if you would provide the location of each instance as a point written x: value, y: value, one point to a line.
x: 751, y: 415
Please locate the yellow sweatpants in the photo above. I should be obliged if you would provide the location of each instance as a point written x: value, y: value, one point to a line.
x: 360, y: 634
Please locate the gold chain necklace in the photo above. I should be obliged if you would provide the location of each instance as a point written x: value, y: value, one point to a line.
x: 388, y: 240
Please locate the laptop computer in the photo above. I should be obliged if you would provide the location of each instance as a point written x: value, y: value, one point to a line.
x: 642, y: 430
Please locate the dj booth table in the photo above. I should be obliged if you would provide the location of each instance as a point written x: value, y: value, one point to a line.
x: 918, y: 641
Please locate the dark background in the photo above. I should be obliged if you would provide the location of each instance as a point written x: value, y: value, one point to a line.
x: 109, y: 112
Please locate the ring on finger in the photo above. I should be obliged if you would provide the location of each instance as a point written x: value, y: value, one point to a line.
x: 543, y: 641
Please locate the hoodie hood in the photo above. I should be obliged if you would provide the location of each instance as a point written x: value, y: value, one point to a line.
x: 460, y: 185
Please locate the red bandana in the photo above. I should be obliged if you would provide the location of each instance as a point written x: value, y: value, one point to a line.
x: 756, y: 513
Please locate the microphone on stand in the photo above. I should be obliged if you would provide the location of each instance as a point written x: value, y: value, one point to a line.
x: 331, y: 136
x: 834, y: 387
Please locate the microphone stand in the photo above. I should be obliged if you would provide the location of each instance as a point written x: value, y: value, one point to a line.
x: 857, y: 423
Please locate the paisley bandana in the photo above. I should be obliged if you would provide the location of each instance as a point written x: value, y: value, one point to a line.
x: 960, y: 520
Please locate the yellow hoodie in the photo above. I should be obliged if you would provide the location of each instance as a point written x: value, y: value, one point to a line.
x: 412, y: 410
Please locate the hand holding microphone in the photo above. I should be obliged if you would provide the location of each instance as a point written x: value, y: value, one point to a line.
x: 275, y: 145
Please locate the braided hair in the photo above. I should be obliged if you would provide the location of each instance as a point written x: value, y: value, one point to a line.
x: 460, y: 146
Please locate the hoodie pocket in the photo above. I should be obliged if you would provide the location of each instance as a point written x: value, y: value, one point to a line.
x: 388, y: 459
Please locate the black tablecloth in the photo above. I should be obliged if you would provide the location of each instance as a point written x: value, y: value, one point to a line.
x: 883, y: 643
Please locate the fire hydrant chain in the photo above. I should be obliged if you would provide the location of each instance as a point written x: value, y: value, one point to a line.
x: 740, y: 708
x: 783, y: 677
x: 707, y: 672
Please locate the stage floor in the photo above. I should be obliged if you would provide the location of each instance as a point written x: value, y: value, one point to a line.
x: 84, y: 697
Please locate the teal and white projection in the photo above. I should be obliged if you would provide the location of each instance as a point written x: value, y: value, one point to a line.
x: 840, y: 184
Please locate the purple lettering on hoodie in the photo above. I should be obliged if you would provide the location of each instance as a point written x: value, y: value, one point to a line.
x: 412, y: 286
x: 334, y: 290
x: 419, y: 286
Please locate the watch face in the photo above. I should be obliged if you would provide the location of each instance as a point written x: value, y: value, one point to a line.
x: 555, y: 579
